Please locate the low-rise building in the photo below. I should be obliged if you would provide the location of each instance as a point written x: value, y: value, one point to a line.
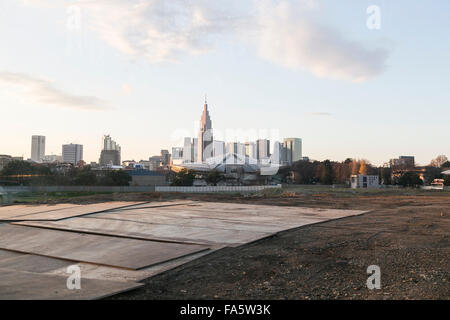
x: 4, y: 160
x: 403, y: 162
x: 52, y: 158
x: 147, y: 178
x: 364, y: 181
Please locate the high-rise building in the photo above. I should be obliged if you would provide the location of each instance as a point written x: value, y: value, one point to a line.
x: 219, y: 148
x: 278, y: 153
x: 177, y: 153
x: 293, y: 149
x: 72, y: 153
x: 109, y: 157
x: 155, y: 162
x: 250, y: 150
x: 110, y: 154
x: 37, y: 148
x: 263, y: 149
x: 205, y: 136
x: 194, y: 149
x: 165, y: 157
x: 188, y: 150
x: 236, y: 148
x: 110, y: 144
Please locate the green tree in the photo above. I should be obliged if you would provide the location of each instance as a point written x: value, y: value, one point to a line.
x: 446, y: 164
x: 25, y: 173
x: 410, y: 179
x: 447, y: 180
x: 385, y: 175
x: 184, y: 178
x: 432, y: 173
x: 326, y: 172
x: 214, y: 177
x: 305, y: 172
x: 85, y: 177
x: 116, y: 178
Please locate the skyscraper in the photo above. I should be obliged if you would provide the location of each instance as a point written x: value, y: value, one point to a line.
x: 177, y: 155
x: 219, y: 148
x: 236, y: 148
x: 188, y: 150
x: 37, y: 148
x: 293, y: 149
x: 194, y: 149
x: 278, y: 154
x: 110, y: 154
x: 262, y: 149
x: 72, y: 153
x: 250, y: 150
x: 205, y: 136
x: 165, y: 157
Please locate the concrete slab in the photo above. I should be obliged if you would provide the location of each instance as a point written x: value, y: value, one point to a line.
x: 34, y: 263
x: 149, y: 231
x: 201, y: 222
x: 20, y: 285
x: 8, y: 212
x: 93, y: 271
x: 252, y: 222
x: 198, y: 222
x: 103, y: 250
x: 264, y: 210
x: 122, y: 244
x: 155, y: 204
x: 5, y: 254
x: 64, y: 212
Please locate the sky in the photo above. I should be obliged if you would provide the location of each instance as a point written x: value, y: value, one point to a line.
x: 363, y: 79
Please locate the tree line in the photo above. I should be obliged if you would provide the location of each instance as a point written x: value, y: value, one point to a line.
x: 330, y: 172
x: 24, y: 173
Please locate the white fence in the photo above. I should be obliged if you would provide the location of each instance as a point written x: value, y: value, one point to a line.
x: 209, y: 189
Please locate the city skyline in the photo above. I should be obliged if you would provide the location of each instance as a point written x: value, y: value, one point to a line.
x: 204, y: 119
x: 80, y: 85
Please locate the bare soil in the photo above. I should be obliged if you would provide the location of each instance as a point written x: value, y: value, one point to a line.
x: 405, y: 233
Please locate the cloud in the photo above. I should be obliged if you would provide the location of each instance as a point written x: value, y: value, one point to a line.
x: 43, y: 91
x: 157, y: 30
x: 282, y: 31
x: 291, y: 38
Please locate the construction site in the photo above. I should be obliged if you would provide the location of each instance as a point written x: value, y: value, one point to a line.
x: 275, y: 244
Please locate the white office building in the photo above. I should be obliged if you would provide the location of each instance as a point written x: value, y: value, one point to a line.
x: 278, y: 153
x: 364, y: 181
x: 219, y: 148
x: 72, y: 153
x: 37, y: 148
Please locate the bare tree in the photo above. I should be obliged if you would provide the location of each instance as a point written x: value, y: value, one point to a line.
x: 439, y: 161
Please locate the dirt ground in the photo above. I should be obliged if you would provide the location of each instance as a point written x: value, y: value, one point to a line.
x: 406, y: 233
